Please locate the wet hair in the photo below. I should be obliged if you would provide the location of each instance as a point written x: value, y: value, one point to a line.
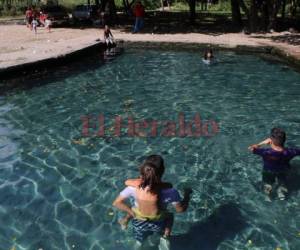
x: 150, y: 177
x: 206, y: 52
x: 278, y: 136
x: 158, y: 162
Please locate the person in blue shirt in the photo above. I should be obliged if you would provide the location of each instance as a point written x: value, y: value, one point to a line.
x: 276, y: 161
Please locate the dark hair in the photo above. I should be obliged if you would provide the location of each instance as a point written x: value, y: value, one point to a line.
x: 278, y: 136
x: 206, y: 52
x: 158, y: 162
x: 150, y: 177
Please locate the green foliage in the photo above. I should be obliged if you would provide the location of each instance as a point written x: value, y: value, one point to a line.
x: 17, y: 7
x: 222, y: 6
x: 119, y: 4
x: 70, y: 4
x: 180, y: 6
x: 152, y: 4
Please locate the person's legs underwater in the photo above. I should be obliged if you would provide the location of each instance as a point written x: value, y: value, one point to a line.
x: 282, y: 187
x: 268, y: 180
x: 142, y: 229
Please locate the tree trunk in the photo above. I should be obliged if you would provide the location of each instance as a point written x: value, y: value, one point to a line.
x: 236, y: 13
x: 293, y: 8
x: 283, y: 9
x: 112, y: 11
x: 192, y: 5
x: 265, y: 14
x: 127, y: 7
x: 253, y: 15
x: 274, y: 8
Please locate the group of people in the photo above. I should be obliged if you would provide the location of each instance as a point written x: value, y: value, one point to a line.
x: 34, y: 19
x: 151, y: 195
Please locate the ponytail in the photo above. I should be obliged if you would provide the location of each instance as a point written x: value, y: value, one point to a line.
x: 150, y: 177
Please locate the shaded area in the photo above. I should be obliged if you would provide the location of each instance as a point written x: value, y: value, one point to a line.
x: 293, y: 181
x: 293, y: 39
x: 42, y: 72
x: 178, y: 22
x: 225, y: 223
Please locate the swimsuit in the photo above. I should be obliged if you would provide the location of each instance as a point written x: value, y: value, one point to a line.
x: 144, y: 225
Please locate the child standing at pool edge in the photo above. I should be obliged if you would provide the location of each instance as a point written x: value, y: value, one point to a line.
x: 276, y: 161
x: 34, y: 25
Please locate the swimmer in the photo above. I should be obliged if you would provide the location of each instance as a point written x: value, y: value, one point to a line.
x: 208, y: 56
x: 276, y: 160
x: 148, y: 216
x: 158, y: 162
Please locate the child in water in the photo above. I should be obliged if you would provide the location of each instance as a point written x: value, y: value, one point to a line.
x: 276, y: 161
x: 158, y: 162
x: 208, y: 55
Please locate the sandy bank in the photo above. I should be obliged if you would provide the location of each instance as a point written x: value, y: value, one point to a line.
x: 19, y: 45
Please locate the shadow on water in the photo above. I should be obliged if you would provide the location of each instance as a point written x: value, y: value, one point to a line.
x: 225, y: 223
x: 39, y: 76
x: 293, y: 180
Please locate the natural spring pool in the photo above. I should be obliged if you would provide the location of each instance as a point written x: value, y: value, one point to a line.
x: 57, y: 186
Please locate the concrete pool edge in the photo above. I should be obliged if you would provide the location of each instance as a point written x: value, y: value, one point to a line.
x: 31, y: 67
x: 59, y: 59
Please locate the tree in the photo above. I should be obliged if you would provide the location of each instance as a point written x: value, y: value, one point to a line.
x: 192, y: 5
x: 128, y: 5
x: 236, y: 13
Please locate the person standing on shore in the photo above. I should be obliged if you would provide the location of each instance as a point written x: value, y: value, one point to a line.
x: 48, y: 24
x: 28, y: 16
x: 34, y: 25
x: 139, y: 12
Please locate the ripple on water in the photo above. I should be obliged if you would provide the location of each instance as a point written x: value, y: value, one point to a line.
x: 56, y: 186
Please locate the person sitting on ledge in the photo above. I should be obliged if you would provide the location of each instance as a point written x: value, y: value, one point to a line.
x: 108, y: 37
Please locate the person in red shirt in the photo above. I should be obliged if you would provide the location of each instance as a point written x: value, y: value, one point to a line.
x: 139, y: 12
x: 42, y: 18
x: 29, y: 16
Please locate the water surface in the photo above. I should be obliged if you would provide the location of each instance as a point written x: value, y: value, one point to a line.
x: 56, y: 186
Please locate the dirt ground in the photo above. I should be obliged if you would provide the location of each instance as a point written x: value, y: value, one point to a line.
x: 19, y: 45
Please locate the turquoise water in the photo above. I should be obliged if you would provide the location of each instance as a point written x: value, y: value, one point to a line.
x: 56, y: 186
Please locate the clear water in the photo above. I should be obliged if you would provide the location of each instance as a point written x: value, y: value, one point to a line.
x: 56, y: 188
